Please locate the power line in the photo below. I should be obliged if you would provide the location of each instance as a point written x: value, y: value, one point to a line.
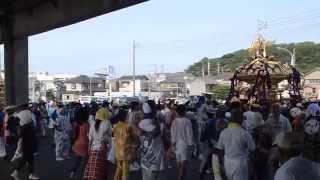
x: 311, y: 15
x: 297, y: 16
x: 290, y: 28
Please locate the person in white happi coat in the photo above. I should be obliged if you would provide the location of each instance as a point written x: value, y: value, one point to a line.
x: 253, y: 118
x: 182, y: 140
x: 277, y: 124
x: 236, y: 143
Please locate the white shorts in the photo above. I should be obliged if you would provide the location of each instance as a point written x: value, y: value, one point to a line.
x: 236, y: 169
x: 183, y: 153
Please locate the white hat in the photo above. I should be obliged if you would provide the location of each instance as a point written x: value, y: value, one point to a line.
x: 25, y: 117
x: 228, y: 115
x: 146, y: 108
x: 147, y: 125
x: 115, y: 103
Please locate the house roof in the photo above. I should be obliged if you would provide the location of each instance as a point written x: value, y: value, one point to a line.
x: 315, y: 74
x: 130, y: 78
x: 215, y: 79
x: 85, y: 79
x: 223, y: 76
x: 207, y: 80
x: 176, y: 77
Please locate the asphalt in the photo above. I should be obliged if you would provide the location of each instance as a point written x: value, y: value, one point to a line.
x: 49, y: 169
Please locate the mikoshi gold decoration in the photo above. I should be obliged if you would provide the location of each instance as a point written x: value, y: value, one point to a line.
x: 257, y: 80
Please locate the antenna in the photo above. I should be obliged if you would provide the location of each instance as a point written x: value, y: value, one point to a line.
x: 262, y: 25
x: 162, y: 69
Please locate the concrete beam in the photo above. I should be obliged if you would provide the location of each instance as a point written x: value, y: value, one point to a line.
x: 15, y: 66
x: 58, y: 13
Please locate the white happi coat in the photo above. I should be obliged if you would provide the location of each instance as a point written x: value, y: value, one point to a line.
x: 236, y: 143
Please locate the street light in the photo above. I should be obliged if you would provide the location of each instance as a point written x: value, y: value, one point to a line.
x: 292, y: 54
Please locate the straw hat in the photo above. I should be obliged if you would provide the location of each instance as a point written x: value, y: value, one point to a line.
x: 254, y: 105
x: 103, y: 114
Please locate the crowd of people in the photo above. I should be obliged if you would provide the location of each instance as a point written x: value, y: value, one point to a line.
x: 233, y: 142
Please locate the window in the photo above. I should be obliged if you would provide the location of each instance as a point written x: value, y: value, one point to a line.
x: 125, y: 84
x: 73, y: 86
x: 314, y: 81
x: 313, y: 90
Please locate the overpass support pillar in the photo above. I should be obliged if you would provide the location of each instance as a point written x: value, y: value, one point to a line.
x: 15, y: 66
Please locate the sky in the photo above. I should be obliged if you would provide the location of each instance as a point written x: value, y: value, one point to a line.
x: 170, y: 35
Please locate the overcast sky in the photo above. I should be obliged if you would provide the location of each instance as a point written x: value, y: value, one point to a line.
x: 170, y: 33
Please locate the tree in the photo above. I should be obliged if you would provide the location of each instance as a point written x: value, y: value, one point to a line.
x: 307, y: 57
x: 221, y: 92
x: 50, y: 95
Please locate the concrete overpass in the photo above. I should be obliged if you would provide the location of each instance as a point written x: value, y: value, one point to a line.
x: 22, y: 18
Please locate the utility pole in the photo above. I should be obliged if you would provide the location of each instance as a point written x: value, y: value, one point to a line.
x: 292, y: 54
x: 208, y: 67
x: 33, y: 89
x: 134, y: 68
x: 293, y: 58
x: 177, y: 91
x: 107, y: 76
x: 90, y: 81
x: 110, y: 83
x: 149, y: 88
x: 202, y: 69
x: 218, y: 68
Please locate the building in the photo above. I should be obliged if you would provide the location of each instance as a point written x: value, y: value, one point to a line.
x: 206, y: 84
x: 312, y: 85
x: 82, y: 86
x: 25, y: 18
x: 44, y: 86
x: 176, y: 84
x: 126, y: 83
x: 171, y: 84
x: 41, y: 86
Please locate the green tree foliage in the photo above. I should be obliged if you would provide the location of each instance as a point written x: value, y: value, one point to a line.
x: 221, y: 92
x: 50, y: 95
x: 307, y: 58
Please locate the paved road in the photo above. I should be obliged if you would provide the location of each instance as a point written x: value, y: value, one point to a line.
x: 48, y: 169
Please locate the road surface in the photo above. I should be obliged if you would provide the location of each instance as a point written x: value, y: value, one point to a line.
x: 49, y: 169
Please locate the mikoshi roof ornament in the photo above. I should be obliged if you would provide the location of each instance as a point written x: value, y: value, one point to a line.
x: 257, y: 80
